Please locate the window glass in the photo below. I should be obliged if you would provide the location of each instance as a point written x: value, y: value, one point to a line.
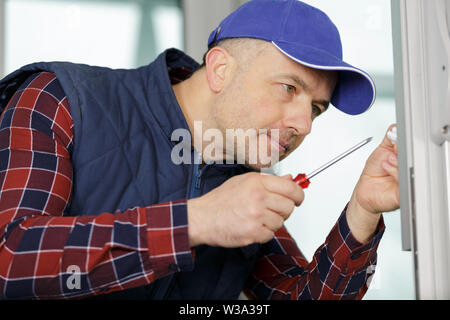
x: 116, y: 34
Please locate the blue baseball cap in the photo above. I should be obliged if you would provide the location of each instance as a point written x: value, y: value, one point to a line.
x: 306, y: 35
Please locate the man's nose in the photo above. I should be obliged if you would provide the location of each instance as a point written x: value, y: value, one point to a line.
x: 299, y: 118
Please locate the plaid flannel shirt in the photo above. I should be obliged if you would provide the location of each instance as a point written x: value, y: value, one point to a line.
x: 39, y: 245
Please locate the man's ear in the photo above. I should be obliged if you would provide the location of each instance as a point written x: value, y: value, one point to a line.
x: 218, y: 62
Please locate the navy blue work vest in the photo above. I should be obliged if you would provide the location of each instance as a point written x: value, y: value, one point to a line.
x: 123, y: 122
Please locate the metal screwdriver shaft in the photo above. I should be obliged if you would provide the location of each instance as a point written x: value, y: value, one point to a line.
x: 341, y: 156
x: 303, y: 179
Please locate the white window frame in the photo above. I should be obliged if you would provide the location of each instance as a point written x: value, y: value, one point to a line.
x: 421, y: 79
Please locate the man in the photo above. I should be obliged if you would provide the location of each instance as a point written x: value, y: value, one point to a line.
x: 93, y: 203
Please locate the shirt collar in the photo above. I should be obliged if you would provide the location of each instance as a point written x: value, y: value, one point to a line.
x: 162, y: 100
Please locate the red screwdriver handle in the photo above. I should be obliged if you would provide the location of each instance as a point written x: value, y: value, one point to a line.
x: 302, y: 180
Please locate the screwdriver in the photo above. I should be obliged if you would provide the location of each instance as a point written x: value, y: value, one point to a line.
x: 303, y: 180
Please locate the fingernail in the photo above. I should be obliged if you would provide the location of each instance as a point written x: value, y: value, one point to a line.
x: 392, y: 135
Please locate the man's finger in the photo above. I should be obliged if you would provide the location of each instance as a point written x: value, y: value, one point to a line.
x: 393, y: 160
x: 285, y: 187
x: 390, y: 169
x: 265, y: 235
x: 386, y: 141
x: 272, y: 221
x: 280, y: 204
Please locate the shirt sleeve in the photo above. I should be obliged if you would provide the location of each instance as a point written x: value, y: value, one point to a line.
x: 341, y: 268
x: 45, y: 254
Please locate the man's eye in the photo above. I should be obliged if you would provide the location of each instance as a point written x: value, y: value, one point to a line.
x: 289, y: 89
x: 316, y: 110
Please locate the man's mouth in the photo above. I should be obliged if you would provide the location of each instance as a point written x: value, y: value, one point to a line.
x: 279, y: 144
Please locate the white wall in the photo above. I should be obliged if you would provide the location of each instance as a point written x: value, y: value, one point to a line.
x: 116, y: 34
x: 201, y: 18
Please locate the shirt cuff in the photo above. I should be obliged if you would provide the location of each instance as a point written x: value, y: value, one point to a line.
x: 168, y: 239
x: 348, y: 253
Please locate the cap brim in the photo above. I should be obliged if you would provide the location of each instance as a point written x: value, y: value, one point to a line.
x: 355, y: 91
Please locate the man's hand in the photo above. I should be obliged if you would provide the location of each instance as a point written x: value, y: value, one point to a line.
x: 376, y: 191
x: 245, y: 209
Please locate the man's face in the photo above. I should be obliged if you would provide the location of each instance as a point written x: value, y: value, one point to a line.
x: 275, y: 93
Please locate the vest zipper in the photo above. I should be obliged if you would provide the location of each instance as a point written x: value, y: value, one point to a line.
x: 198, y: 180
x: 196, y: 177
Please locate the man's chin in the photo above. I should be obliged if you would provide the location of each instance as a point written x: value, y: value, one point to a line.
x: 260, y: 166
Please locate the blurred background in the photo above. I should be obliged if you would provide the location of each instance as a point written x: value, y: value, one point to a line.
x: 131, y: 33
